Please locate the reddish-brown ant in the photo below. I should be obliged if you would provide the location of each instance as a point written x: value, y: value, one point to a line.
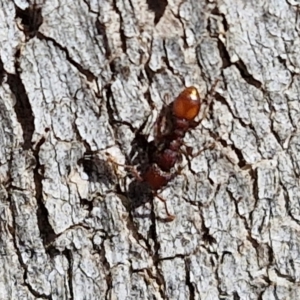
x: 184, y: 110
x: 165, y: 150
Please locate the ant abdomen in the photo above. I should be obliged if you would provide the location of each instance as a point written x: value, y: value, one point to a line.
x: 156, y: 178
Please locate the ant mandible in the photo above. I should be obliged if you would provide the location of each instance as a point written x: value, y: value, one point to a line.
x: 165, y: 150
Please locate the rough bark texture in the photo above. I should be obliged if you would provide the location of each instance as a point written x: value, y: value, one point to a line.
x: 92, y: 76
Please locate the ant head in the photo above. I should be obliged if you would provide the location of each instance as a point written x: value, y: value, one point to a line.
x: 187, y: 104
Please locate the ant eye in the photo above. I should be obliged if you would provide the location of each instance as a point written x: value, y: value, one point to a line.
x: 187, y: 104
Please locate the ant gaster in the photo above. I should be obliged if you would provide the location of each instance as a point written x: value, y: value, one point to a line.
x: 165, y: 150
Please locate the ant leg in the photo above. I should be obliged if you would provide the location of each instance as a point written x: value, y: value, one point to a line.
x: 158, y: 126
x: 163, y: 115
x: 132, y: 169
x: 170, y: 217
x: 208, y: 100
x: 213, y: 88
x: 209, y: 95
x: 188, y: 151
x: 166, y: 99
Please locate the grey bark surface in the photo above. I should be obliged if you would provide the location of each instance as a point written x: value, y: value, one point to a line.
x: 83, y: 77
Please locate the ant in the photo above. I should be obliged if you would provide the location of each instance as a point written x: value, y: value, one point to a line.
x: 164, y: 151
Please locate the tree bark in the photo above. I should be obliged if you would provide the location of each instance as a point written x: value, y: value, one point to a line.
x: 82, y: 84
